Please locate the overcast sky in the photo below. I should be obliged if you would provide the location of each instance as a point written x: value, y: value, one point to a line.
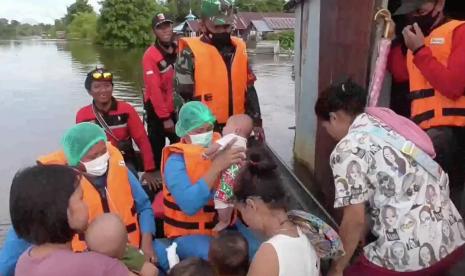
x: 37, y: 11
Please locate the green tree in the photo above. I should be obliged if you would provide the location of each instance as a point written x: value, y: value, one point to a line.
x: 80, y: 6
x: 83, y: 26
x: 126, y: 23
x: 59, y: 25
x: 260, y: 5
x: 179, y: 9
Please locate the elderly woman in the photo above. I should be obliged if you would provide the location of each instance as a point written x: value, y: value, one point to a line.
x: 261, y: 199
x: 341, y: 109
x: 47, y: 210
x: 190, y: 182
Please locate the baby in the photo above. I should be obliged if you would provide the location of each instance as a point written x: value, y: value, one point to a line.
x: 238, y: 127
x: 229, y: 254
x: 107, y: 235
x: 192, y: 267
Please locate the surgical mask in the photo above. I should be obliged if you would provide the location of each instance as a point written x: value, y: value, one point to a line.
x: 425, y: 22
x: 220, y: 40
x: 98, y: 166
x: 203, y: 139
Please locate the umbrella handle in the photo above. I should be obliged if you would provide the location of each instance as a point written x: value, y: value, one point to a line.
x: 389, y: 24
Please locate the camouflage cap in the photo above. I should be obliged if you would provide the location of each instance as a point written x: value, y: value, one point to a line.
x: 218, y: 11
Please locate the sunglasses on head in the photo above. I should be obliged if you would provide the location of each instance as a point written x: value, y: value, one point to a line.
x: 100, y: 75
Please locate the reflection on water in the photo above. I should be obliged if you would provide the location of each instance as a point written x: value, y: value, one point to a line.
x: 42, y: 87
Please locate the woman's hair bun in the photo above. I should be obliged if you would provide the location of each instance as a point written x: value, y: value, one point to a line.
x: 260, y: 162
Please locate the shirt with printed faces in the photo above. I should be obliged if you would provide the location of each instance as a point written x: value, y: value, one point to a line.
x: 415, y: 222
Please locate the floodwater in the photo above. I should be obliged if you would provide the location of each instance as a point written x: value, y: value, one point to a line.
x: 42, y: 87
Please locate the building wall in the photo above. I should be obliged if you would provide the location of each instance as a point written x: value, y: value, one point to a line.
x: 333, y: 40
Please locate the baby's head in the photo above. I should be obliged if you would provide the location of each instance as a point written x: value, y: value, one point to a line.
x: 107, y: 235
x: 229, y: 254
x: 192, y: 267
x: 240, y: 124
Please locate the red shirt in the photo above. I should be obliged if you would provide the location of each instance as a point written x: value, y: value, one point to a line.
x: 125, y: 124
x: 158, y: 79
x: 397, y: 64
x: 448, y: 80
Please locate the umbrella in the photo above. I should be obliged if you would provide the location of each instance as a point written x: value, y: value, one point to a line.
x: 377, y: 78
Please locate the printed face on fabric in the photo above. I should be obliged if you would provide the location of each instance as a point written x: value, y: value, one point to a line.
x: 410, y: 209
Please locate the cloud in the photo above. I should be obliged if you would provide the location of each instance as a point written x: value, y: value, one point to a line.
x: 44, y: 11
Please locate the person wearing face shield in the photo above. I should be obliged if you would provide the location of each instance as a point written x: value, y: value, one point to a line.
x: 158, y: 67
x: 436, y: 66
x: 214, y: 68
x: 108, y: 187
x: 190, y: 182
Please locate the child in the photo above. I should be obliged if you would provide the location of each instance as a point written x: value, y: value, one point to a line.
x: 192, y: 267
x: 229, y: 254
x: 238, y: 128
x: 107, y: 235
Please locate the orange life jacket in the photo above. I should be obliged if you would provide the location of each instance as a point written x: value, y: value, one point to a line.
x: 117, y: 199
x: 223, y: 94
x: 176, y: 222
x: 429, y: 107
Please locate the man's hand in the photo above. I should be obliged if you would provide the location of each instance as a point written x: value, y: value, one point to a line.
x: 168, y: 125
x: 147, y: 247
x: 152, y: 179
x: 259, y: 133
x: 414, y: 40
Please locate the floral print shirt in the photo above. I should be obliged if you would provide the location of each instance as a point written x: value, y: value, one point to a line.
x: 410, y: 211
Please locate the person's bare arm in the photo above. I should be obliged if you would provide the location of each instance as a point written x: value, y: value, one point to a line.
x: 148, y: 270
x: 351, y: 231
x: 265, y: 262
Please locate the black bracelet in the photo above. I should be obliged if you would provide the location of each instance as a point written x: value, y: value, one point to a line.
x: 418, y: 49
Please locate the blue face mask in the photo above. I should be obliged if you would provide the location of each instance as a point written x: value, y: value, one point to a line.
x: 203, y: 139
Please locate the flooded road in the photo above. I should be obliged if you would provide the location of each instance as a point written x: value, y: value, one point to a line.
x: 42, y: 88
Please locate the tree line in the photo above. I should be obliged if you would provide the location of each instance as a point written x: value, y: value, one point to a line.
x: 121, y: 23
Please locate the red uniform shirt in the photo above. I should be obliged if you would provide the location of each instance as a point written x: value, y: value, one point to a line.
x: 125, y: 124
x: 158, y: 79
x: 397, y: 64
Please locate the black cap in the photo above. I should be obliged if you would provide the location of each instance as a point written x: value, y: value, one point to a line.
x: 160, y: 19
x: 89, y: 77
x: 409, y: 6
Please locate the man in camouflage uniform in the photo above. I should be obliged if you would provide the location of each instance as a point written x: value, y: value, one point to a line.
x: 216, y: 27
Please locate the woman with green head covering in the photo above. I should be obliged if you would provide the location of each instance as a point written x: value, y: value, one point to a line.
x: 190, y: 181
x: 107, y: 186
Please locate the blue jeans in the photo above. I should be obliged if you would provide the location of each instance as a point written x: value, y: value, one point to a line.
x: 199, y: 245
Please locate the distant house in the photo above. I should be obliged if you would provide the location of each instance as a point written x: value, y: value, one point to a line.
x: 60, y: 34
x: 190, y: 27
x: 259, y: 28
x: 248, y: 25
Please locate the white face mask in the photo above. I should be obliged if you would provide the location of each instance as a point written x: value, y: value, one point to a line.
x: 203, y: 139
x: 98, y: 166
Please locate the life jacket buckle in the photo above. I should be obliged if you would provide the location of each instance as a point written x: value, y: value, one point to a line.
x: 408, y: 148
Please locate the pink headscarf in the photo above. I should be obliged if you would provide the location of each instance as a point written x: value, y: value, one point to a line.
x: 404, y: 127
